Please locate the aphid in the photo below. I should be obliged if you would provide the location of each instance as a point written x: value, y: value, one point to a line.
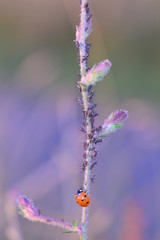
x: 88, y: 47
x: 84, y: 155
x: 84, y: 165
x: 88, y: 68
x: 80, y: 101
x: 99, y: 129
x: 79, y: 87
x: 92, y: 166
x: 93, y: 106
x: 86, y: 5
x: 97, y: 140
x: 85, y: 145
x: 82, y: 198
x: 94, y: 154
x: 92, y: 178
x: 82, y: 130
x: 90, y: 136
x: 89, y: 88
x: 93, y: 114
x: 90, y: 96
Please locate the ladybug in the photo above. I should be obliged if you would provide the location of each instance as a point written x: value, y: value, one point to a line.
x: 82, y: 198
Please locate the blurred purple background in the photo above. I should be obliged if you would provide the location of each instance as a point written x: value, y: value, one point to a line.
x: 40, y: 142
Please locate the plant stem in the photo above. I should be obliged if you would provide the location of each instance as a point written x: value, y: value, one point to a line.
x: 51, y: 221
x: 88, y: 160
x: 29, y: 211
x: 84, y: 89
x: 82, y: 47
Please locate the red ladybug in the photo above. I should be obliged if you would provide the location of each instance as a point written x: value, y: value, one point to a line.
x: 82, y: 198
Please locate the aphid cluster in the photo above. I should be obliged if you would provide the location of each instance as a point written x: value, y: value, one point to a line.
x: 90, y: 111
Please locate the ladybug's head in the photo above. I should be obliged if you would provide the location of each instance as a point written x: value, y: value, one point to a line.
x: 79, y: 191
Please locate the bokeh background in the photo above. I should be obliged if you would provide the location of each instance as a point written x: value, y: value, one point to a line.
x: 40, y: 142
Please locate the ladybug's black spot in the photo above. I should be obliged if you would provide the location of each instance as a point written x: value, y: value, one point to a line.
x: 87, y: 202
x: 82, y: 199
x: 85, y: 195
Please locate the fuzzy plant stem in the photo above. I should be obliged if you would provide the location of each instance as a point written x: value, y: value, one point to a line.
x: 82, y: 43
x: 63, y: 225
x: 82, y: 54
x: 88, y: 160
x: 28, y: 210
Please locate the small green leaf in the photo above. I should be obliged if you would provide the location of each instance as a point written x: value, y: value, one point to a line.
x: 21, y: 213
x: 74, y: 223
x: 116, y: 126
x: 111, y: 128
x: 68, y: 231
